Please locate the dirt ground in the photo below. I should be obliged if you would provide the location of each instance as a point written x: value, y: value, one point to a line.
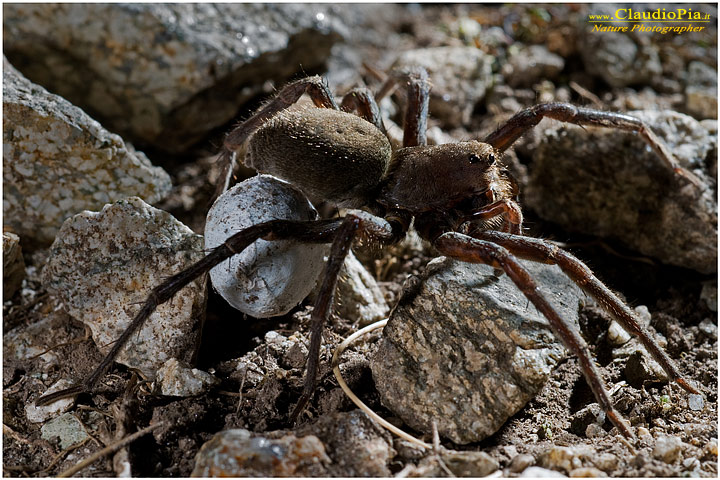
x: 124, y: 403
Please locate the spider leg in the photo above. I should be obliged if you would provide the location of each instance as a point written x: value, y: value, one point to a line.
x: 317, y: 231
x: 505, y: 135
x: 287, y: 96
x: 475, y: 250
x: 545, y: 252
x: 362, y: 101
x: 356, y: 223
x: 418, y: 100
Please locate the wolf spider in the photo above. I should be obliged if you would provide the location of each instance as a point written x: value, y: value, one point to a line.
x: 341, y: 154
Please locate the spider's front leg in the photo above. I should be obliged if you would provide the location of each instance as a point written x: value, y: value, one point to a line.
x: 418, y: 101
x: 505, y: 135
x: 316, y: 231
x: 542, y: 251
x: 317, y: 90
x: 474, y: 250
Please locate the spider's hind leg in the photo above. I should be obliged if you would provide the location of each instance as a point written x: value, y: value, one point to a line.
x: 314, y: 86
x: 474, y: 250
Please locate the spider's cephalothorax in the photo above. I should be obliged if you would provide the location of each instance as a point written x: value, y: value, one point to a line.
x: 462, y: 200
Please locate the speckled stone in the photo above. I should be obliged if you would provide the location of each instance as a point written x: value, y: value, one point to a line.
x: 460, y: 77
x: 13, y: 264
x: 604, y: 182
x: 178, y: 379
x: 466, y: 349
x: 57, y: 161
x: 67, y: 429
x: 239, y: 453
x: 103, y: 266
x: 166, y: 73
x: 531, y: 64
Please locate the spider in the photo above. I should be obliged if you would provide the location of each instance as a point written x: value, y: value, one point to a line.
x: 462, y: 200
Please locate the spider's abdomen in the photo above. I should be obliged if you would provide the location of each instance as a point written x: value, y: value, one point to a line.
x: 327, y: 153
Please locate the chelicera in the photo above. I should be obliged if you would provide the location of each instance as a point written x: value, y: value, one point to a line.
x: 460, y: 196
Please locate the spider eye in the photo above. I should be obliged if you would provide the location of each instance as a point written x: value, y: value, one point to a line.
x: 491, y: 159
x: 473, y: 158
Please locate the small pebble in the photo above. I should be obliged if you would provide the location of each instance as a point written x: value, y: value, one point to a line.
x: 521, y: 462
x: 695, y: 402
x: 539, y: 472
x: 617, y: 335
x: 177, y: 379
x: 67, y: 428
x: 606, y: 462
x: 239, y: 453
x: 587, y: 472
x: 668, y: 449
x: 560, y: 458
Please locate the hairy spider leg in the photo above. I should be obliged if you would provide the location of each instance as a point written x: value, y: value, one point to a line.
x: 418, y: 101
x: 473, y: 250
x: 543, y: 251
x: 524, y: 120
x: 361, y: 100
x: 316, y: 231
x: 314, y: 86
x: 355, y: 224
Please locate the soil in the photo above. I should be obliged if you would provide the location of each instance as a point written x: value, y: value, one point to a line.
x: 124, y: 403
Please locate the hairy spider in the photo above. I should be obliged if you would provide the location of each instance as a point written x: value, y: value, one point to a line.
x: 332, y: 154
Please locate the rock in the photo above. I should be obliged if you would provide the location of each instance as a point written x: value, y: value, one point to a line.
x: 470, y: 464
x: 37, y: 414
x: 166, y: 74
x: 701, y: 92
x: 617, y: 335
x: 640, y: 366
x: 358, y: 296
x: 592, y: 414
x: 709, y: 295
x: 695, y: 402
x: 67, y: 428
x: 618, y: 59
x: 668, y: 449
x: 103, y: 265
x: 565, y: 459
x: 529, y: 65
x: 465, y: 348
x: 603, y: 182
x: 460, y: 77
x: 26, y: 342
x: 607, y: 462
x: 57, y: 161
x: 521, y: 462
x: 539, y: 472
x: 176, y: 378
x: 239, y: 453
x: 587, y: 472
x: 268, y: 278
x: 356, y: 445
x: 13, y: 264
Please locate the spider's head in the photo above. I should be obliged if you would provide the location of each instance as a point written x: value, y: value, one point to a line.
x: 446, y: 177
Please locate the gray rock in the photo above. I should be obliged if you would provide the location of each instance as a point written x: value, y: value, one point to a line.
x: 618, y: 59
x: 466, y: 349
x: 103, y: 265
x: 239, y: 453
x: 13, y: 264
x: 166, y: 73
x: 592, y: 414
x: 701, y: 92
x: 521, y: 462
x: 708, y: 294
x: 460, y: 77
x: 528, y: 65
x: 178, y: 379
x: 66, y: 428
x: 564, y: 459
x: 668, y: 449
x: 539, y: 472
x: 268, y: 278
x: 357, y: 446
x: 604, y: 182
x: 57, y: 161
x: 470, y: 464
x: 358, y: 296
